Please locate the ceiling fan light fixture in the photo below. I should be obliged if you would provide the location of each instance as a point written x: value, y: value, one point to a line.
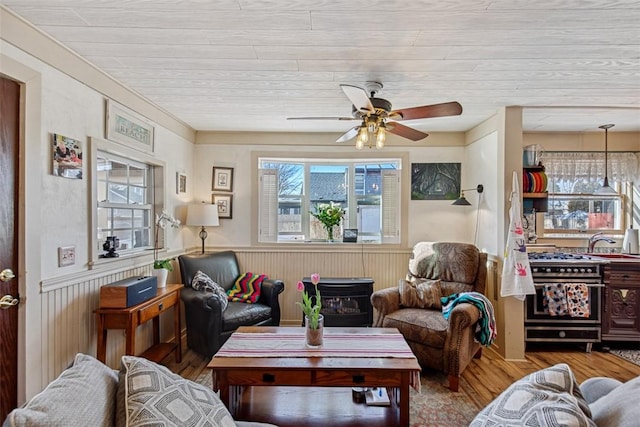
x: 372, y: 127
x: 381, y: 136
x: 375, y: 113
x: 363, y: 133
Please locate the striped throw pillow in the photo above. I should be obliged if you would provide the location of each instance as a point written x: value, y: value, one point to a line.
x: 246, y: 288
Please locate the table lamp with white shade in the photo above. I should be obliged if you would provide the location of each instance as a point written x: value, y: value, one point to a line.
x: 202, y: 215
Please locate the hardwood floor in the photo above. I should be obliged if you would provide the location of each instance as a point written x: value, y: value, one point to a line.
x: 484, y: 378
x: 487, y: 377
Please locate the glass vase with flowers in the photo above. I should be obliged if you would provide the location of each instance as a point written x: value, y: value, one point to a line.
x: 313, y: 319
x: 329, y: 216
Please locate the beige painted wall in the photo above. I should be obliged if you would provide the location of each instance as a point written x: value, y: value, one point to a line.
x: 585, y: 141
x: 55, y: 211
x: 426, y: 220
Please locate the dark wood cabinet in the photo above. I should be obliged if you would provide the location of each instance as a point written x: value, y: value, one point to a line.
x: 621, y: 308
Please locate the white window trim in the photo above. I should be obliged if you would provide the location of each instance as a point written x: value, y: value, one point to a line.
x: 158, y: 189
x: 402, y: 201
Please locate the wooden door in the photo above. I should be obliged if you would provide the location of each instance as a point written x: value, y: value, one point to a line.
x: 9, y: 140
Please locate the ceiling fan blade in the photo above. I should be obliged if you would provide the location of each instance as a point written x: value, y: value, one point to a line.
x: 358, y: 98
x: 406, y: 132
x: 322, y: 118
x: 427, y: 111
x: 351, y: 133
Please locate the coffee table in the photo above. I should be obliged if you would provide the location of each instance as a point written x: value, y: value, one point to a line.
x: 232, y: 373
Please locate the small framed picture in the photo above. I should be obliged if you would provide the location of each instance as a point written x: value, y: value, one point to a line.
x: 67, y: 157
x: 222, y: 179
x: 181, y: 183
x: 350, y: 235
x: 224, y: 202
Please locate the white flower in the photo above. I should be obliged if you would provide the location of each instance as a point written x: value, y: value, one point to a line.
x: 162, y: 220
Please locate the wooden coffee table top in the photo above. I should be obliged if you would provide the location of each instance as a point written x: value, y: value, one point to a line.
x: 314, y: 362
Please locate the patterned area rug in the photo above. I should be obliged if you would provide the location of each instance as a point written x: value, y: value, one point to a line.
x: 435, y: 405
x: 632, y: 356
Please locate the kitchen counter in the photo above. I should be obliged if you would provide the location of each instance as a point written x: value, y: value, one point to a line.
x: 616, y: 257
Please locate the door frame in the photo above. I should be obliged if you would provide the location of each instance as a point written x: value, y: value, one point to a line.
x: 30, y: 380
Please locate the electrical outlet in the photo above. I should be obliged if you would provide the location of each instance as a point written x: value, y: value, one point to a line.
x: 66, y: 255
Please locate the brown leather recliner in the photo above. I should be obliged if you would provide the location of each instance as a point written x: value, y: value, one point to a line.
x: 208, y: 326
x: 445, y: 345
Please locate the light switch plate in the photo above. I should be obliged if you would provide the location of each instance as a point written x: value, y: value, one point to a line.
x: 66, y: 255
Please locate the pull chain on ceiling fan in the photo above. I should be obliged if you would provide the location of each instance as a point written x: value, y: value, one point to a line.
x: 377, y: 117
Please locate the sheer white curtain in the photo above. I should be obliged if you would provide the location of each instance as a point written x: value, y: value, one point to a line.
x: 623, y: 167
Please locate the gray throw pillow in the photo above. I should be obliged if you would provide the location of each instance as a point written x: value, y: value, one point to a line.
x: 83, y: 395
x: 151, y: 395
x: 202, y: 282
x: 619, y: 407
x: 550, y: 397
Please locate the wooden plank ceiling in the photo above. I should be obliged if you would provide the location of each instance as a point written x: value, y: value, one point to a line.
x: 247, y: 65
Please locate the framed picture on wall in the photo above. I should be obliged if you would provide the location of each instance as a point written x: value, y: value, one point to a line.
x: 181, y: 183
x: 222, y: 179
x: 224, y: 202
x: 67, y: 156
x: 435, y: 181
x: 129, y: 128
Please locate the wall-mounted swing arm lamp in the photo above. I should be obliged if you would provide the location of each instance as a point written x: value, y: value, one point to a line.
x: 203, y: 215
x: 462, y: 201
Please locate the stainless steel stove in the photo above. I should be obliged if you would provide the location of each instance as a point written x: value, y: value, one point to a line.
x: 563, y: 257
x: 559, y: 267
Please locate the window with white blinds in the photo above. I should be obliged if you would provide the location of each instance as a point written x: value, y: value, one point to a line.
x: 268, y: 227
x: 368, y: 190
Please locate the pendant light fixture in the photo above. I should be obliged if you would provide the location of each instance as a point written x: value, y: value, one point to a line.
x: 606, y: 189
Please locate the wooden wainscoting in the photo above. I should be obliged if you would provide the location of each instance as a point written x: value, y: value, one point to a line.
x: 68, y: 324
x: 385, y: 268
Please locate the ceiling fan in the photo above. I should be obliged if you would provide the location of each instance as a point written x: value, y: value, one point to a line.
x: 377, y: 118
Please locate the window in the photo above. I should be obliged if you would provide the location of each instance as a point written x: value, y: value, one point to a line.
x: 124, y: 201
x: 573, y: 178
x: 368, y: 191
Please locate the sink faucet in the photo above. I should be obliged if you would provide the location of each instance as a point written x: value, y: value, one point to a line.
x: 596, y: 238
